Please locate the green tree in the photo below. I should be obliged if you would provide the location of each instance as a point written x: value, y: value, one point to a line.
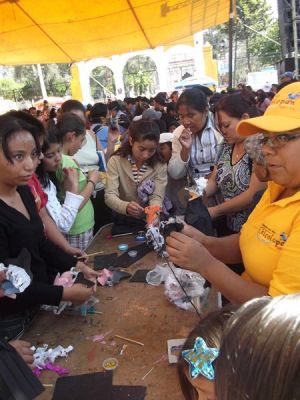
x: 105, y: 76
x: 252, y: 51
x: 140, y: 76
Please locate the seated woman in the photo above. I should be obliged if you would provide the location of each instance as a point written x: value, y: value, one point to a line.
x: 136, y: 161
x: 62, y: 214
x: 233, y: 175
x: 268, y: 244
x: 21, y: 227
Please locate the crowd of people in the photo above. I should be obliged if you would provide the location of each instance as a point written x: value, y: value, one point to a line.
x: 245, y: 144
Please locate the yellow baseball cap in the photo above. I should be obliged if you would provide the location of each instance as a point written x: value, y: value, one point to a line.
x: 282, y: 115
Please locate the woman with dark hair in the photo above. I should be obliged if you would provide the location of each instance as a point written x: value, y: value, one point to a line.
x: 268, y: 244
x: 259, y: 356
x: 21, y: 227
x: 263, y: 101
x: 232, y: 175
x: 195, y: 143
x: 137, y: 160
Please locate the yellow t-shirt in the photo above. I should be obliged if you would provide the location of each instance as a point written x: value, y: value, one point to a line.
x: 270, y: 243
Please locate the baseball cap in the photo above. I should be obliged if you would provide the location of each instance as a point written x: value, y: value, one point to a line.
x: 282, y: 115
x: 287, y: 74
x: 151, y: 114
x: 166, y: 137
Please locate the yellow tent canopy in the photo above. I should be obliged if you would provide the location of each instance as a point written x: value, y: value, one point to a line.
x: 64, y: 31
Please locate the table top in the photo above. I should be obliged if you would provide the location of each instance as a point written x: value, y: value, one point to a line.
x: 134, y: 310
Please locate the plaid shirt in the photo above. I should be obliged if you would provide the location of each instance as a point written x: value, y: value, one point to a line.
x: 203, y: 151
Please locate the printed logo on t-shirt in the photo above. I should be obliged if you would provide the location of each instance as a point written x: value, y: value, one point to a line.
x: 268, y: 235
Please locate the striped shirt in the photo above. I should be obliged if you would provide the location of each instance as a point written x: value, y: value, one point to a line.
x: 137, y: 173
x: 204, y: 150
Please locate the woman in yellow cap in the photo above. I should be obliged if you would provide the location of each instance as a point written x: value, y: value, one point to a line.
x: 268, y: 244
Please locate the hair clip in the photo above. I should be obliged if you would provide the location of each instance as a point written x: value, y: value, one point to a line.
x: 200, y: 359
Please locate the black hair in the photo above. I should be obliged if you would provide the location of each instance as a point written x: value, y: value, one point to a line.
x: 71, y: 105
x: 171, y: 107
x: 99, y: 110
x: 67, y: 122
x: 39, y: 127
x: 130, y: 100
x: 172, y: 122
x: 193, y: 98
x: 235, y: 105
x: 114, y: 105
x: 43, y: 175
x: 52, y: 113
x: 140, y: 131
x: 10, y: 125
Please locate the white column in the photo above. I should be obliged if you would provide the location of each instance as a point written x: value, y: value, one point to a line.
x: 162, y: 68
x: 198, y: 54
x: 84, y: 82
x: 41, y: 79
x: 117, y: 69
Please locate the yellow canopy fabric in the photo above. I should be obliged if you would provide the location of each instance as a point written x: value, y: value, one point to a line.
x: 64, y: 31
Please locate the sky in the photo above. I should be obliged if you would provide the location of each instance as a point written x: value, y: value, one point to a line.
x: 273, y: 4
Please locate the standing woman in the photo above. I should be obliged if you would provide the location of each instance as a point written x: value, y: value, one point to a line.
x: 195, y: 143
x: 21, y: 227
x: 136, y: 161
x: 70, y: 130
x: 232, y: 175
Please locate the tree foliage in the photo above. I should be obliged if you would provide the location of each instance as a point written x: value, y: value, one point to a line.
x: 253, y: 51
x: 140, y: 76
x: 105, y: 76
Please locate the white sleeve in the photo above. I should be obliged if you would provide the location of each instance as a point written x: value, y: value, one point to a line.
x: 176, y: 166
x: 62, y: 214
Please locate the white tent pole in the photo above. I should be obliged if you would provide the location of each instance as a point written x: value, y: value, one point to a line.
x: 41, y: 79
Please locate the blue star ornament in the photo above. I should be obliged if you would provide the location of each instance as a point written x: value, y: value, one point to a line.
x: 200, y: 359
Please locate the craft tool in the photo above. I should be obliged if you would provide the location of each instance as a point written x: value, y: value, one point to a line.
x: 90, y: 255
x: 147, y: 373
x: 123, y: 247
x: 129, y: 340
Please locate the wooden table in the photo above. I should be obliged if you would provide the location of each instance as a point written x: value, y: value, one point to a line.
x: 134, y: 310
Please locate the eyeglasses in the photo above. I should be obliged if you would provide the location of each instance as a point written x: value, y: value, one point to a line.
x: 279, y: 140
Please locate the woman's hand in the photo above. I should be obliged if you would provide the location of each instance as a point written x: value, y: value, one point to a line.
x: 2, y: 278
x: 88, y: 272
x: 185, y: 139
x: 134, y: 209
x: 214, y: 212
x: 77, y: 294
x: 188, y: 252
x: 71, y: 180
x: 94, y: 176
x: 24, y: 350
x: 113, y: 135
x: 194, y: 233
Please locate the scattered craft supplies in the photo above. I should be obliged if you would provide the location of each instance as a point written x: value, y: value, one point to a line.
x: 139, y: 276
x: 44, y: 358
x: 96, y: 385
x: 129, y: 340
x: 17, y: 380
x: 111, y: 278
x: 17, y: 273
x: 174, y: 349
x: 123, y: 261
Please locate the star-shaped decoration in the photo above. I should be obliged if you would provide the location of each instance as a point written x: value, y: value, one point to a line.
x: 200, y: 359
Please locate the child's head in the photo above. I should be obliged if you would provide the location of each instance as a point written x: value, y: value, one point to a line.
x: 52, y: 157
x: 70, y: 131
x: 142, y: 143
x: 210, y: 330
x: 19, y: 148
x: 165, y: 145
x: 260, y: 351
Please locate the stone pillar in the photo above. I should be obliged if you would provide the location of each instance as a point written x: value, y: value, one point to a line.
x: 162, y: 68
x: 84, y: 82
x: 117, y: 69
x: 198, y: 54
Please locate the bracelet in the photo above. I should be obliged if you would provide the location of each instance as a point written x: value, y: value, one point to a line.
x: 92, y: 182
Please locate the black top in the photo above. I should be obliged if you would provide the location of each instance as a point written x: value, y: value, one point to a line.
x: 17, y: 232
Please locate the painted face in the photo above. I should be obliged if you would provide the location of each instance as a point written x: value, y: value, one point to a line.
x: 284, y: 162
x: 204, y: 387
x: 143, y: 150
x: 227, y: 125
x: 52, y: 158
x: 166, y: 151
x: 23, y: 154
x: 192, y: 119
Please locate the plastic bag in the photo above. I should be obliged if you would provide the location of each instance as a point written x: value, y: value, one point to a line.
x: 193, y: 285
x: 158, y: 275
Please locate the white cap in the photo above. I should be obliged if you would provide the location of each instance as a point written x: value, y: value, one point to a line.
x: 166, y: 137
